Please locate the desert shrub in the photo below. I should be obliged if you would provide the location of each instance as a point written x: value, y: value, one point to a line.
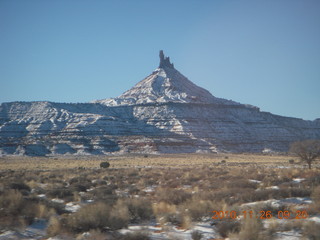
x: 311, y: 230
x: 11, y: 202
x: 166, y: 212
x: 139, y: 209
x: 251, y: 229
x: 96, y: 234
x: 160, y: 208
x: 133, y: 190
x: 197, y: 208
x: 80, y: 184
x: 196, y: 235
x: 54, y: 226
x: 59, y: 208
x: 172, y: 196
x: 81, y: 179
x: 226, y: 227
x: 42, y: 211
x: 135, y: 236
x: 105, y: 193
x: 276, y: 178
x: 233, y: 195
x: 99, y: 216
x: 290, y: 225
x: 80, y: 187
x: 314, y: 208
x: 60, y: 193
x: 316, y: 194
x: 241, y: 183
x: 91, y: 216
x: 104, y: 164
x: 299, y: 192
x: 265, y: 194
x: 14, y: 208
x: 119, y: 215
x: 19, y: 186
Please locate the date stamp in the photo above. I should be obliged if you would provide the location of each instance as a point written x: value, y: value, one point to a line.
x: 299, y: 214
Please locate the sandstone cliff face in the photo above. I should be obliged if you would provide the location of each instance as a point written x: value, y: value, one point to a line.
x: 165, y: 112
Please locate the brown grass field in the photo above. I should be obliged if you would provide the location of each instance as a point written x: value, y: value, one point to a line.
x: 129, y: 161
x: 172, y: 190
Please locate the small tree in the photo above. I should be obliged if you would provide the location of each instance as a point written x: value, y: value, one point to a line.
x: 104, y: 164
x: 307, y: 150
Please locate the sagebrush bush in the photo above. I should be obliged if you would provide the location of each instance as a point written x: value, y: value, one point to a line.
x: 119, y: 215
x: 225, y: 227
x: 251, y: 229
x: 139, y: 209
x: 104, y: 164
x: 11, y: 202
x: 99, y: 216
x: 54, y: 226
x: 316, y: 195
x: 19, y: 186
x: 91, y: 216
x: 172, y: 196
x: 311, y: 230
x: 197, y: 208
x: 135, y: 236
x: 196, y: 235
x: 61, y: 193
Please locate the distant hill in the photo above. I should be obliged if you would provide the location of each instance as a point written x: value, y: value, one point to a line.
x: 163, y: 113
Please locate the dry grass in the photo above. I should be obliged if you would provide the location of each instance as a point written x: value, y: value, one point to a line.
x: 176, y: 189
x: 167, y: 160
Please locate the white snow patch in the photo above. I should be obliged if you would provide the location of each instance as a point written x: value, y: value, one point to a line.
x: 72, y: 207
x: 298, y: 180
x: 315, y: 219
x: 288, y: 235
x: 277, y: 203
x: 254, y: 181
x: 57, y: 200
x: 149, y: 189
x: 273, y: 187
x: 169, y: 231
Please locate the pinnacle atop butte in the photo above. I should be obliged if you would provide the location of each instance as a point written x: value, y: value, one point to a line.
x: 165, y: 85
x: 164, y: 61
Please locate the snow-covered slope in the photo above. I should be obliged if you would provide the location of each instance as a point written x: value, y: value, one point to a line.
x: 165, y: 85
x: 165, y: 112
x: 162, y: 86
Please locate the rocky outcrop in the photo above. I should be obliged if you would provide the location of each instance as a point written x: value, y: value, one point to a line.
x: 163, y: 113
x: 164, y: 61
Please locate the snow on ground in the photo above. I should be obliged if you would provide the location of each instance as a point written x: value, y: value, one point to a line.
x: 298, y: 180
x: 158, y: 233
x: 288, y: 235
x: 57, y: 200
x: 277, y: 203
x: 273, y: 187
x: 72, y: 207
x: 254, y: 181
x: 35, y: 231
x: 315, y: 219
x: 149, y: 189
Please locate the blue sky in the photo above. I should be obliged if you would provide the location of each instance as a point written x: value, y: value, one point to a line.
x: 264, y: 53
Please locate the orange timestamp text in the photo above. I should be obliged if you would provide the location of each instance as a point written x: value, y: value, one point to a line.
x: 299, y: 214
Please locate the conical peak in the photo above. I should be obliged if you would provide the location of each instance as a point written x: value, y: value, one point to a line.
x: 164, y: 85
x: 164, y: 61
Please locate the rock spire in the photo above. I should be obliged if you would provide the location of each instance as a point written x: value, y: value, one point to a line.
x: 164, y: 61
